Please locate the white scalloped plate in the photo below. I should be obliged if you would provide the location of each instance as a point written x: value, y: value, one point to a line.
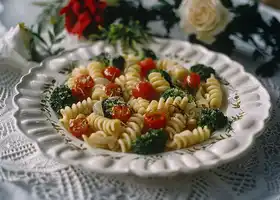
x: 248, y: 103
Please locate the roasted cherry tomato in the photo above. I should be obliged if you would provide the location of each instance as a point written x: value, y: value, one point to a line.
x: 155, y: 120
x: 145, y: 90
x: 111, y: 73
x: 79, y: 127
x: 113, y: 89
x: 147, y: 65
x: 192, y: 80
x: 84, y: 81
x: 121, y: 112
x: 80, y: 93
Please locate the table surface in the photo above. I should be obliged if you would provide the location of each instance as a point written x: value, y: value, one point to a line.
x: 251, y: 173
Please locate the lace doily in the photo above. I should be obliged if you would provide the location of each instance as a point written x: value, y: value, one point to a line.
x: 255, y: 176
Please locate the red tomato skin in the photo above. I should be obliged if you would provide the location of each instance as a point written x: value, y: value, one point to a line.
x: 192, y: 80
x: 122, y: 113
x: 144, y: 90
x: 113, y: 89
x: 111, y: 73
x: 79, y: 127
x: 146, y: 65
x: 84, y: 81
x: 155, y: 120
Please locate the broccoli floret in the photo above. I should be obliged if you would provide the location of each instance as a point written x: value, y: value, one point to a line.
x: 214, y: 119
x: 148, y: 53
x: 104, y: 58
x: 164, y: 74
x: 118, y: 62
x: 203, y: 71
x: 61, y: 97
x: 108, y: 104
x: 152, y: 142
x: 173, y: 92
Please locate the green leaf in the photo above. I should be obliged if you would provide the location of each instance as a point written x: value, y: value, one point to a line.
x: 58, y: 51
x: 58, y: 40
x: 37, y: 36
x: 51, y: 36
x: 41, y: 4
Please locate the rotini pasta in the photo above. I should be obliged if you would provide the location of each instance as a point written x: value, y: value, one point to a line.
x: 132, y: 75
x: 200, y: 100
x: 102, y: 140
x: 95, y: 70
x: 169, y: 105
x: 98, y: 93
x: 214, y: 92
x: 139, y: 105
x: 176, y: 124
x: 109, y: 126
x: 164, y: 64
x: 188, y: 138
x: 133, y: 129
x: 121, y: 81
x: 82, y: 70
x: 158, y: 82
x: 84, y: 107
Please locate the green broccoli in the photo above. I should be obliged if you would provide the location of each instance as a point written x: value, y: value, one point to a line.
x: 164, y: 74
x: 204, y: 71
x: 214, y: 119
x: 61, y: 97
x: 152, y: 142
x: 104, y: 58
x: 173, y: 92
x: 109, y: 103
x: 118, y: 62
x: 148, y: 53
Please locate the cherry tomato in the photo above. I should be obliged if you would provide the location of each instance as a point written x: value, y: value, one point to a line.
x: 146, y: 65
x: 113, y: 89
x: 155, y: 120
x: 84, y: 81
x: 192, y: 80
x: 121, y: 112
x: 111, y: 73
x: 145, y: 90
x: 80, y: 93
x: 79, y: 127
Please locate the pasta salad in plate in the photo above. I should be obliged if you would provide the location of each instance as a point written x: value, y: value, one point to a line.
x: 140, y: 103
x: 170, y: 108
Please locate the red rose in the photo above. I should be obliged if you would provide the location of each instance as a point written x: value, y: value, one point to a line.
x: 83, y: 17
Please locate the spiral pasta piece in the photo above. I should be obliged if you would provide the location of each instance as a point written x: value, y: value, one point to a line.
x: 131, y: 59
x: 214, y: 92
x: 121, y: 81
x: 102, y: 140
x: 82, y: 107
x: 82, y: 70
x: 158, y: 82
x: 95, y: 70
x: 200, y: 100
x: 98, y: 93
x: 188, y: 138
x: 132, y: 130
x: 109, y: 126
x: 139, y: 105
x: 176, y: 124
x: 169, y: 105
x: 132, y: 75
x: 166, y: 63
x: 70, y: 82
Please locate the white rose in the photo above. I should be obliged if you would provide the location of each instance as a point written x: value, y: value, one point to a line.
x: 204, y: 18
